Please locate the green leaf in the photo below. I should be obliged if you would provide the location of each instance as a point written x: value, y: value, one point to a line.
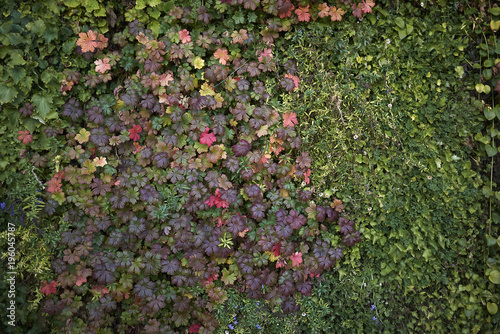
x: 38, y: 27
x: 495, y: 276
x: 427, y: 253
x: 492, y: 308
x: 7, y: 94
x: 491, y: 151
x: 72, y: 3
x: 154, y: 3
x: 490, y: 240
x: 155, y: 27
x: 489, y: 113
x: 16, y: 59
x: 494, y: 11
x: 42, y: 103
x: 17, y: 73
x: 400, y: 22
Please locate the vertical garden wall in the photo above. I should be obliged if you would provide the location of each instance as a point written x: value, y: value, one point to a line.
x: 249, y: 166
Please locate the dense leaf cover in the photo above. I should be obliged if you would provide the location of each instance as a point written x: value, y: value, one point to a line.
x: 177, y: 171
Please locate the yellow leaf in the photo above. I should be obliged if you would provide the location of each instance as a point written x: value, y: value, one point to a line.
x: 83, y: 136
x: 198, y: 63
x: 233, y: 122
x: 206, y: 89
x: 262, y: 131
x: 284, y: 193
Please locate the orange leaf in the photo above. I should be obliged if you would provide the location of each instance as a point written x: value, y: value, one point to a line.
x: 222, y: 55
x: 336, y: 14
x: 88, y: 41
x: 289, y: 119
x: 102, y: 65
x: 303, y: 13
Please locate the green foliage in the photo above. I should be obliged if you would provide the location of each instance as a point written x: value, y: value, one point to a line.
x: 396, y: 105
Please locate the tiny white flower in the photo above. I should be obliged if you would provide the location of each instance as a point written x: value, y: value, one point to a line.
x: 303, y: 183
x: 355, y: 137
x: 227, y: 332
x: 329, y: 155
x: 364, y: 153
x: 422, y: 4
x: 369, y: 208
x: 304, y: 314
x: 320, y: 194
x: 390, y: 105
x: 429, y: 177
x: 388, y: 41
x: 364, y: 284
x: 327, y: 195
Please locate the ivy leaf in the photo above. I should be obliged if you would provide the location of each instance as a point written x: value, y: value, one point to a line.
x: 7, y: 94
x: 42, y: 103
x: 289, y: 119
x: 83, y: 136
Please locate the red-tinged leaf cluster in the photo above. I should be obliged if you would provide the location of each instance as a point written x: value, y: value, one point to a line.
x: 179, y: 175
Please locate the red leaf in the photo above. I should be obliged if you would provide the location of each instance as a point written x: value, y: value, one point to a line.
x: 207, y: 138
x: 194, y: 328
x: 25, y: 136
x: 306, y: 175
x: 296, y: 259
x: 48, y: 289
x: 217, y: 201
x: 294, y: 78
x: 277, y: 249
x: 54, y: 184
x: 289, y: 119
x: 80, y: 280
x: 356, y: 11
x: 184, y: 36
x: 303, y: 13
x: 134, y: 132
